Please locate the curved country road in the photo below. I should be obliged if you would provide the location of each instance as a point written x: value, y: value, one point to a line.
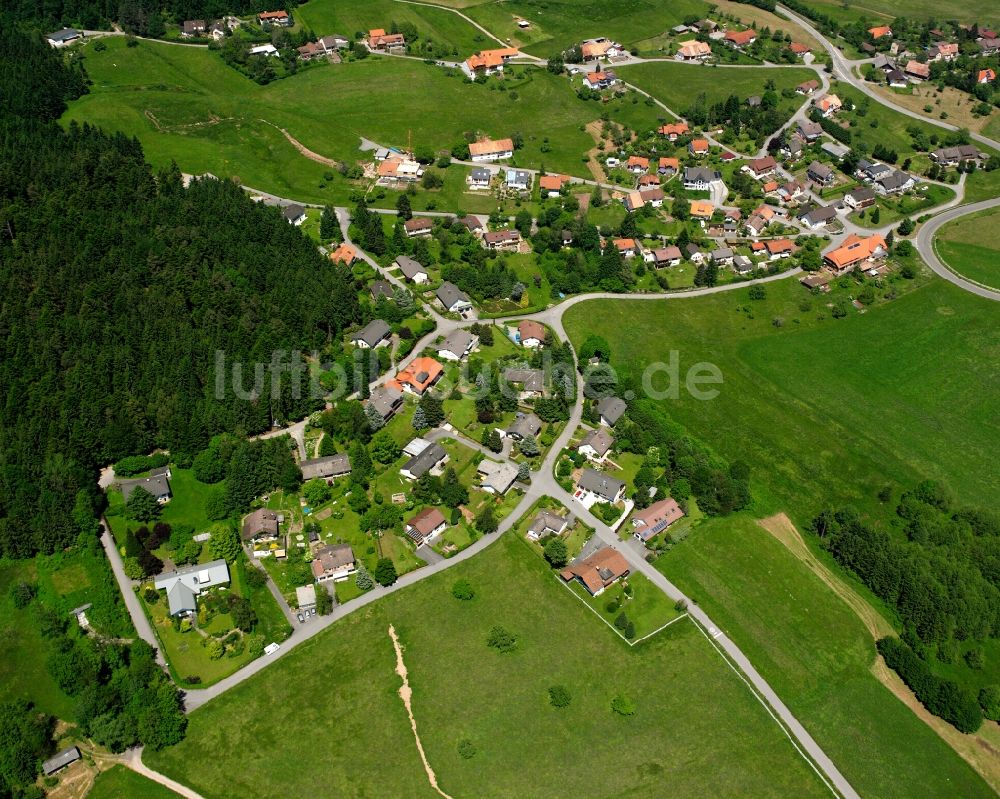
x: 925, y: 246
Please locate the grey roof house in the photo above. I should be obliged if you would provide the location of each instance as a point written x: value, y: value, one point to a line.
x: 453, y: 298
x: 427, y: 459
x: 294, y: 214
x: 156, y: 484
x: 611, y: 409
x: 326, y: 467
x: 386, y: 400
x: 412, y: 270
x: 604, y: 487
x: 184, y: 585
x: 524, y: 424
x: 457, y: 345
x: 373, y: 334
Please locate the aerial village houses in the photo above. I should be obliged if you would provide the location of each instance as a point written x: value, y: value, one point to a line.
x: 953, y: 156
x: 63, y: 37
x: 489, y: 150
x: 375, y: 334
x: 509, y: 240
x: 674, y: 130
x: 496, y: 478
x: 655, y: 519
x: 761, y: 167
x: 602, y: 569
x: 430, y: 458
x: 398, y: 169
x: 157, y: 484
x: 808, y: 87
x: 914, y: 69
x: 828, y: 104
x: 880, y: 31
x: 600, y: 79
x: 344, y: 254
x: 412, y: 270
x: 333, y: 563
x: 531, y: 334
x: 551, y: 185
x: 453, y: 299
x: 418, y: 226
x: 693, y: 50
x: 547, y: 523
x: 596, y: 49
x: 294, y: 214
x: 523, y: 426
x: 699, y: 178
x: 192, y: 27
x: 386, y: 400
x: 457, y: 345
x: 741, y: 39
x: 518, y: 179
x: 488, y: 62
x: 698, y: 147
x: 479, y: 178
x: 261, y: 528
x: 60, y: 760
x: 595, y: 486
x: 596, y: 444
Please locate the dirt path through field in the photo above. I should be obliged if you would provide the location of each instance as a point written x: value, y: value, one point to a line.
x: 303, y: 150
x: 406, y: 694
x: 981, y: 750
x: 595, y: 167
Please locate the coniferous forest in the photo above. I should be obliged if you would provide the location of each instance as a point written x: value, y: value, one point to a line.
x: 119, y: 286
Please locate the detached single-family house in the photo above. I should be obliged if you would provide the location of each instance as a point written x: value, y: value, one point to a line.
x: 756, y: 225
x: 636, y: 164
x: 953, y: 156
x: 157, y: 484
x: 693, y: 50
x: 627, y: 248
x: 488, y: 62
x: 328, y: 468
x: 472, y: 224
x: 761, y: 167
x: 344, y: 254
x: 674, y: 130
x: 530, y: 381
x: 860, y: 198
x: 518, y: 179
x: 655, y: 519
x: 599, y: 487
x: 63, y: 37
x: 918, y: 71
x: 699, y: 178
x: 596, y: 444
x: 896, y: 182
x: 880, y: 32
x: 386, y: 401
x: 799, y: 49
x: 547, y: 523
x: 430, y: 459
x: 809, y: 130
x: 611, y: 409
x: 501, y: 240
x: 668, y: 166
x: 989, y: 46
x: 600, y: 79
x: 453, y: 299
x: 602, y: 569
x: 192, y: 27
x: 667, y: 256
x: 375, y: 334
x: 333, y: 563
x: 294, y: 214
x: 524, y: 425
x: 855, y: 250
x: 427, y: 525
x: 381, y: 290
x: 531, y: 334
x: 701, y: 209
x: 183, y: 586
x: 280, y: 18
x: 596, y: 49
x: 807, y: 87
x: 262, y: 526
x: 723, y: 256
x: 412, y: 270
x: 896, y: 79
x: 551, y: 185
x: 741, y: 39
x: 496, y: 478
x: 742, y: 265
x: 489, y: 150
x: 820, y: 173
x: 457, y: 345
x: 479, y: 178
x: 986, y: 76
x: 381, y: 42
x: 694, y: 254
x: 779, y: 248
x: 421, y: 374
x: 267, y: 50
x: 818, y: 216
x: 828, y: 104
x: 418, y: 226
x: 698, y: 147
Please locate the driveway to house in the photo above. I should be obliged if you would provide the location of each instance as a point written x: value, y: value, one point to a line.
x: 132, y: 601
x: 278, y: 596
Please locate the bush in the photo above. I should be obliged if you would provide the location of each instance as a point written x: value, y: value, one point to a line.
x: 501, y: 639
x: 151, y: 595
x: 466, y: 749
x: 256, y: 577
x: 21, y: 594
x: 559, y: 696
x: 623, y: 705
x: 989, y: 701
x: 556, y: 553
x: 385, y: 572
x: 137, y: 464
x: 462, y: 589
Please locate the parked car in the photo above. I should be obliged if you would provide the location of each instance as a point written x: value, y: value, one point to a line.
x: 301, y: 618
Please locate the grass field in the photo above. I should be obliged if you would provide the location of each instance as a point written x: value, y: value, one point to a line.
x: 964, y: 247
x: 326, y: 719
x: 119, y: 782
x: 557, y: 25
x: 677, y: 85
x: 184, y: 104
x: 878, y: 10
x: 829, y: 411
x: 816, y: 653
x: 434, y: 25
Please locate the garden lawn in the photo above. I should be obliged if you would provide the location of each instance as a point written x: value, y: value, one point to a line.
x: 696, y: 727
x: 648, y: 608
x: 965, y: 246
x: 119, y: 782
x: 881, y: 10
x: 828, y: 411
x: 816, y: 653
x: 893, y: 209
x: 184, y: 104
x: 678, y: 85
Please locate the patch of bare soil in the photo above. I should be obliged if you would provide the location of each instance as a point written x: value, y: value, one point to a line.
x: 595, y: 166
x: 406, y: 694
x: 303, y: 150
x: 981, y: 750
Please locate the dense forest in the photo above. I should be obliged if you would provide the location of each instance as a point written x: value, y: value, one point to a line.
x: 120, y: 287
x: 940, y: 571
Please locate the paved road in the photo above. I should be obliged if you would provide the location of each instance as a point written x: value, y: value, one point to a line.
x: 132, y: 601
x: 926, y: 247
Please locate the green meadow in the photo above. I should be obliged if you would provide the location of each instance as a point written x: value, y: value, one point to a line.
x: 816, y: 653
x: 963, y: 246
x: 828, y: 411
x: 120, y: 783
x: 327, y: 720
x: 185, y: 105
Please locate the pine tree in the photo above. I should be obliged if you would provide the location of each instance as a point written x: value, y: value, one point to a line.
x: 420, y: 420
x: 328, y: 226
x: 403, y: 207
x: 363, y: 579
x: 375, y: 420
